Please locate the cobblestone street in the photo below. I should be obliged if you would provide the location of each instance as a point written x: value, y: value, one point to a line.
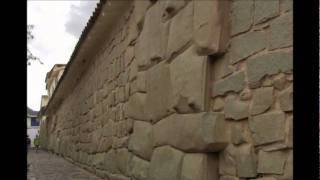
x: 47, y: 166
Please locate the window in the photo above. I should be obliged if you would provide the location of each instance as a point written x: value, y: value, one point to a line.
x: 34, y: 121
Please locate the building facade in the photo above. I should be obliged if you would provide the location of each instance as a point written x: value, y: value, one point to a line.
x: 33, y: 124
x: 170, y: 90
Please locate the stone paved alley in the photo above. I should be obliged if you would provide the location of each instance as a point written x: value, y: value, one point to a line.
x: 47, y: 166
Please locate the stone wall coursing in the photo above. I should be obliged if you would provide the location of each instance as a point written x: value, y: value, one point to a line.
x: 185, y: 90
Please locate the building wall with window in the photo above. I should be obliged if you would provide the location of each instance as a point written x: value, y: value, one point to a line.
x: 33, y: 125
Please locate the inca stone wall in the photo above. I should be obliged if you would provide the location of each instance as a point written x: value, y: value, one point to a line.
x: 185, y: 90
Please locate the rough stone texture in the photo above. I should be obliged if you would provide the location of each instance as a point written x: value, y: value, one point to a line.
x: 139, y: 168
x: 140, y: 142
x: 211, y: 26
x: 233, y: 83
x: 188, y: 81
x: 242, y: 16
x: 246, y: 162
x: 285, y: 99
x: 199, y: 167
x: 271, y: 162
x: 131, y: 78
x: 170, y: 8
x: 268, y: 64
x: 158, y: 86
x: 278, y: 37
x: 262, y: 100
x: 288, y: 169
x: 201, y: 132
x: 227, y: 161
x: 268, y: 127
x: 235, y: 109
x: 180, y: 30
x: 265, y: 10
x: 254, y: 42
x: 153, y: 31
x: 218, y: 104
x: 135, y: 108
x: 165, y: 164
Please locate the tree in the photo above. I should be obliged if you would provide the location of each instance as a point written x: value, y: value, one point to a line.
x: 30, y: 56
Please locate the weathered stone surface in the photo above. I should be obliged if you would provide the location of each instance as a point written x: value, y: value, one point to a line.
x: 281, y: 32
x: 268, y: 127
x: 290, y: 133
x: 246, y: 162
x: 288, y: 168
x: 271, y: 162
x: 135, y: 108
x: 266, y: 178
x: 286, y: 5
x: 254, y: 42
x: 123, y: 157
x: 285, y: 99
x: 265, y: 10
x: 133, y: 70
x: 262, y: 100
x: 221, y: 67
x: 188, y: 80
x: 199, y: 167
x: 170, y: 8
x: 165, y: 164
x: 280, y: 82
x: 109, y: 162
x: 238, y: 135
x: 153, y: 38
x: 235, y: 109
x: 242, y: 16
x: 140, y: 8
x: 211, y: 26
x: 140, y: 142
x: 228, y: 178
x: 268, y: 64
x: 117, y: 177
x: 218, y: 104
x: 141, y: 82
x: 139, y: 168
x: 227, y: 161
x: 245, y: 95
x: 159, y: 92
x: 234, y: 83
x: 201, y: 132
x: 180, y: 30
x: 129, y: 55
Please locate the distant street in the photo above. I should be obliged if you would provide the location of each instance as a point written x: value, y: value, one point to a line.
x: 47, y: 166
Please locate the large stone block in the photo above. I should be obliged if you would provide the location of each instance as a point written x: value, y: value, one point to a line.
x: 285, y: 99
x: 180, y: 30
x: 246, y: 162
x: 152, y: 42
x: 141, y: 142
x: 264, y: 10
x: 140, y: 8
x: 199, y: 167
x: 227, y: 161
x: 123, y: 157
x: 109, y: 162
x: 242, y: 16
x: 268, y: 64
x: 233, y: 83
x: 135, y: 107
x: 165, y: 164
x: 271, y: 162
x: 246, y: 45
x: 201, y: 132
x: 281, y: 32
x: 235, y: 109
x: 262, y: 100
x: 159, y: 92
x: 188, y: 80
x: 268, y: 127
x: 211, y: 26
x: 139, y: 168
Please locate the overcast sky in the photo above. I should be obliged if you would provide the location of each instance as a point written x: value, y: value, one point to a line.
x: 58, y: 25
